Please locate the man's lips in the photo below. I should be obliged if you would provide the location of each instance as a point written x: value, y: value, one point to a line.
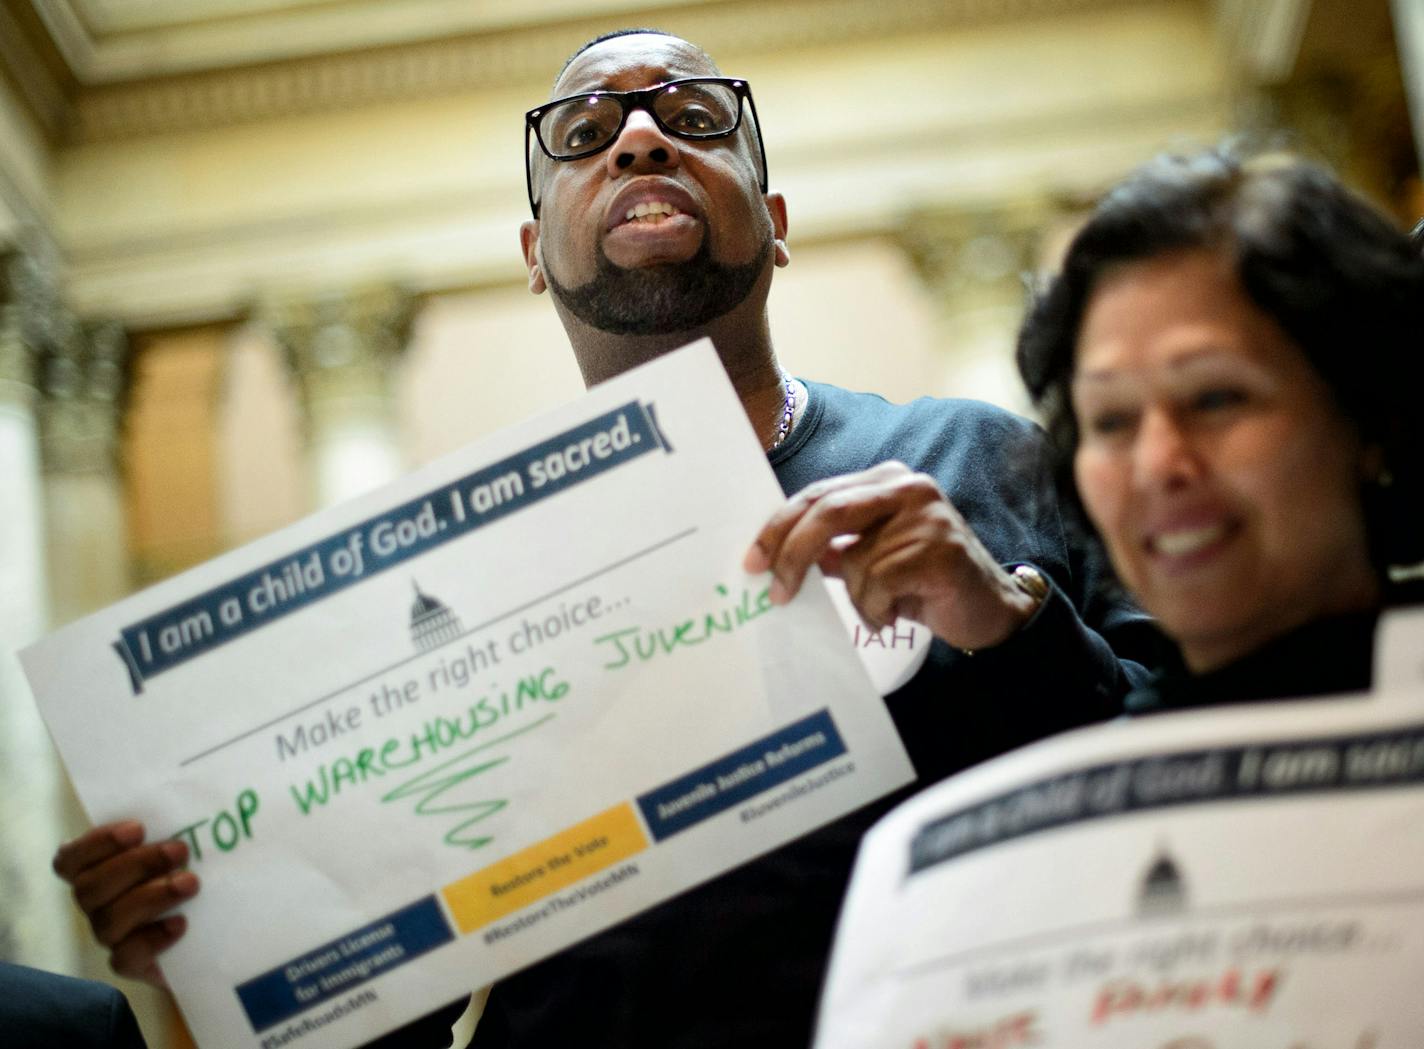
x: 666, y: 224
x: 650, y: 202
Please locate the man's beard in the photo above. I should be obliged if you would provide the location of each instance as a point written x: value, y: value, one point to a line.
x: 667, y: 297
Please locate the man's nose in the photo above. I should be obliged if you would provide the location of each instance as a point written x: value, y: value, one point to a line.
x: 1166, y: 455
x: 641, y: 146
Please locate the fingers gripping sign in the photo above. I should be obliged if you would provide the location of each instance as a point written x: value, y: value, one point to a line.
x: 902, y: 549
x: 124, y: 887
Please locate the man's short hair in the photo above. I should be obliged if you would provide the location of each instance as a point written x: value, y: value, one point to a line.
x: 614, y: 34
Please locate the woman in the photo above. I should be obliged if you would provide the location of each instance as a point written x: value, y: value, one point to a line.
x: 1230, y: 363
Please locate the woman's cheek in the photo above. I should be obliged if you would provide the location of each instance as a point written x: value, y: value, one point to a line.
x: 1101, y: 486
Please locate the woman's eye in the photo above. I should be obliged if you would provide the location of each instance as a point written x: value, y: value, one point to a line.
x: 1109, y: 423
x: 1217, y: 398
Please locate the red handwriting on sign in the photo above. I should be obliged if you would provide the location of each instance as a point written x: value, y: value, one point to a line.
x: 1122, y: 998
x: 1003, y: 1034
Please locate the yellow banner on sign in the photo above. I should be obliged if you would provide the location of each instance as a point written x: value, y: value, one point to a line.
x: 555, y: 863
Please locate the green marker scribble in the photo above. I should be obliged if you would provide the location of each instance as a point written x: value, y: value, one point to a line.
x: 396, y: 755
x: 436, y: 781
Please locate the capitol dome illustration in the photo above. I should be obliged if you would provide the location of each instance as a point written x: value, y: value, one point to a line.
x: 431, y: 621
x: 1164, y: 890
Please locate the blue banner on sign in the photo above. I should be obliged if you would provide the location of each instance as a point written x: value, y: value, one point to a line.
x: 740, y: 775
x: 339, y: 966
x: 202, y: 623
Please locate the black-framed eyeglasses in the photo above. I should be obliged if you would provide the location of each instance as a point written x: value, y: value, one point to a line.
x: 698, y: 108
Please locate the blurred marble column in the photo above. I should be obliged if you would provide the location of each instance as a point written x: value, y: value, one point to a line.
x: 1409, y: 33
x: 35, y: 922
x: 974, y: 263
x: 84, y: 380
x: 342, y: 352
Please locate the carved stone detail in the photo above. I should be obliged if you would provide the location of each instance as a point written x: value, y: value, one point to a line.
x: 977, y: 265
x: 73, y: 373
x: 341, y: 349
x: 85, y: 383
x: 960, y: 254
x: 27, y: 303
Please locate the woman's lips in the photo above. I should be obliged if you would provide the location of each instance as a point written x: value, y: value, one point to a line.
x: 1187, y: 547
x: 1184, y: 541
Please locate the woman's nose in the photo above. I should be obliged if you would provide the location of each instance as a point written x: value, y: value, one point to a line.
x: 1165, y: 454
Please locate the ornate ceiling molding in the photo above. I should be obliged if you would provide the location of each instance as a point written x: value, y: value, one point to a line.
x: 68, y: 32
x: 110, y: 41
x: 523, y: 55
x: 35, y: 73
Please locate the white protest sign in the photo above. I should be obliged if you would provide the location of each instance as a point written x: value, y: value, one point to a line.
x: 1399, y: 653
x: 1245, y: 878
x: 423, y: 739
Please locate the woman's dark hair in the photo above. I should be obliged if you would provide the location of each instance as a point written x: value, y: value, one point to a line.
x: 1340, y: 279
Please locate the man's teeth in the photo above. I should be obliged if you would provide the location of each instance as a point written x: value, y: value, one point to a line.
x: 653, y: 211
x: 1189, y: 540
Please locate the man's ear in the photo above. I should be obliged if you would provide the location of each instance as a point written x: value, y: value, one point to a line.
x: 776, y: 206
x: 529, y: 246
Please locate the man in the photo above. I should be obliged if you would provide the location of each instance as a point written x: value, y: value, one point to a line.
x: 653, y: 226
